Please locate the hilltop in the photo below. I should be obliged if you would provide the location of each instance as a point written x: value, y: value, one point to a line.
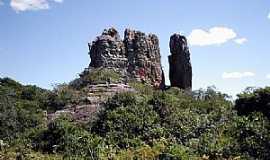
x: 120, y: 108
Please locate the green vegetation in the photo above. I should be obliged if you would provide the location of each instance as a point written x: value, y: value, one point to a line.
x: 63, y: 136
x: 148, y: 124
x: 101, y: 75
x: 95, y: 76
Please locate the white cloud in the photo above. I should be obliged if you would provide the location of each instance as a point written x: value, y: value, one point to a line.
x: 237, y: 75
x: 58, y: 1
x: 24, y: 5
x: 215, y: 35
x: 268, y: 16
x: 268, y: 76
x: 240, y: 40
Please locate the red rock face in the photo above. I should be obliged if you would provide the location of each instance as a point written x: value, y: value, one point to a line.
x: 180, y: 73
x: 143, y: 55
x: 137, y: 57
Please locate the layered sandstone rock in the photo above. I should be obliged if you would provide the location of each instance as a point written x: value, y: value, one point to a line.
x: 180, y: 72
x: 137, y: 57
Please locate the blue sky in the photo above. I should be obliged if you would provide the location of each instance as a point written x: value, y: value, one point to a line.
x: 44, y: 42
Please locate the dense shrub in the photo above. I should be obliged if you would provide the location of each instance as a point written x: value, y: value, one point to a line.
x: 61, y: 96
x: 8, y: 118
x: 144, y: 89
x: 19, y: 111
x: 96, y: 76
x: 146, y: 124
x: 65, y: 137
x: 254, y: 101
x: 185, y: 117
x: 252, y: 136
x: 10, y: 84
x: 134, y: 119
x: 127, y: 121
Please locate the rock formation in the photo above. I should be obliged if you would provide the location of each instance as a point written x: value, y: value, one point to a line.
x: 108, y: 50
x: 92, y: 102
x: 137, y: 57
x: 143, y: 55
x: 180, y: 72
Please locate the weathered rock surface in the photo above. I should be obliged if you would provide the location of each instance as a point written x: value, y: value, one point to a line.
x: 180, y: 72
x: 108, y: 51
x: 137, y: 57
x: 97, y: 95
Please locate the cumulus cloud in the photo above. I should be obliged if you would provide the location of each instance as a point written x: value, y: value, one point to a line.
x: 237, y: 75
x: 240, y: 40
x: 268, y: 76
x: 24, y: 5
x: 215, y: 35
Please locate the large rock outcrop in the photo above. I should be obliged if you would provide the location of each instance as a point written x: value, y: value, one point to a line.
x: 180, y: 72
x: 137, y: 57
x: 108, y: 50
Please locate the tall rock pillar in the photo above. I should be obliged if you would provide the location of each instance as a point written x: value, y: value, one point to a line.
x: 180, y: 72
x: 137, y: 57
x: 143, y: 56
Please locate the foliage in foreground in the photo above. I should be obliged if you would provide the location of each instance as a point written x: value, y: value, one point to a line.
x: 148, y: 124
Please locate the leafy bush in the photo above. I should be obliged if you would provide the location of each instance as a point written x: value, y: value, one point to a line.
x: 65, y: 137
x: 144, y: 89
x: 15, y: 153
x: 252, y: 135
x: 130, y: 120
x: 62, y: 96
x: 176, y: 151
x: 127, y: 121
x: 8, y: 118
x: 10, y: 83
x: 95, y: 76
x: 17, y: 115
x: 254, y: 101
